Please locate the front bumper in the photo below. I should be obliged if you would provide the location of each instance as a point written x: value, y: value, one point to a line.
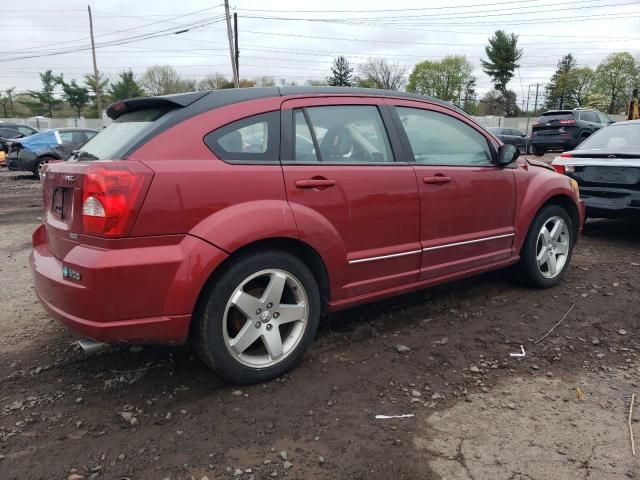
x: 141, y: 295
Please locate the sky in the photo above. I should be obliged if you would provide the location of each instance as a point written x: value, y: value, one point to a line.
x: 297, y: 41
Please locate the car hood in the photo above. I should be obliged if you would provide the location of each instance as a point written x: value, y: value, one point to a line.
x: 538, y: 163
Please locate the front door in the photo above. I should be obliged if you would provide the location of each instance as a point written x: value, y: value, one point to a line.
x: 468, y: 202
x: 349, y: 194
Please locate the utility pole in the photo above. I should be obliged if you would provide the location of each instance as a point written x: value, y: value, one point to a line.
x: 235, y: 41
x: 535, y: 105
x: 95, y: 69
x: 528, y: 95
x: 230, y: 38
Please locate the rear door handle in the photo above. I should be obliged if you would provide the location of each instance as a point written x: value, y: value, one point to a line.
x: 436, y: 180
x: 315, y: 183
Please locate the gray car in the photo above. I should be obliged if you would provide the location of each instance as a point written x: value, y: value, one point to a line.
x: 512, y: 136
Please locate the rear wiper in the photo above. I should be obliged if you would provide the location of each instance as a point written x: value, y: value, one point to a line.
x: 79, y: 154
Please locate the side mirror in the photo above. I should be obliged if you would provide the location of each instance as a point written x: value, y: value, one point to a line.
x: 507, y: 154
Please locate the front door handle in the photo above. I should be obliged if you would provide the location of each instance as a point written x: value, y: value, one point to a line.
x: 436, y: 180
x: 320, y: 183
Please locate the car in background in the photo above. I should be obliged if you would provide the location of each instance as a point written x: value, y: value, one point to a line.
x: 607, y: 169
x: 10, y: 131
x: 563, y: 130
x: 31, y: 153
x: 512, y: 136
x: 203, y: 217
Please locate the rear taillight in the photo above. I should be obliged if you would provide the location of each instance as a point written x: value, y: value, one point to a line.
x: 565, y: 154
x: 559, y: 168
x: 567, y: 122
x: 112, y: 194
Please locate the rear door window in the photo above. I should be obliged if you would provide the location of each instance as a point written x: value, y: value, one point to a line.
x: 255, y: 138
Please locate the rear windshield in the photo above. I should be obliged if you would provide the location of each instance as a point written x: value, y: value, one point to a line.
x: 106, y: 144
x: 554, y: 117
x: 615, y: 138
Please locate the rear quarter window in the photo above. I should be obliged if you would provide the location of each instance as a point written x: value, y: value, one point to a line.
x: 252, y: 139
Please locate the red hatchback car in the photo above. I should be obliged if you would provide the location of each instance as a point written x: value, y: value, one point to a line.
x: 236, y: 218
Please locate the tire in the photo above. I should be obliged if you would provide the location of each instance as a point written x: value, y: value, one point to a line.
x: 40, y: 164
x: 536, y: 246
x: 537, y: 151
x: 236, y: 308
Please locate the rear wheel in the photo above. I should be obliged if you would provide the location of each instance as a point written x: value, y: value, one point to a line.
x: 537, y: 151
x: 39, y: 167
x: 258, y: 318
x: 547, y: 250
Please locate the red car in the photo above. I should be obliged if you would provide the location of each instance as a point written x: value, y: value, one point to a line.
x: 236, y: 218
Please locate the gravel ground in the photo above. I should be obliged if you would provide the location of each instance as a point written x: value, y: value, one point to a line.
x: 478, y: 413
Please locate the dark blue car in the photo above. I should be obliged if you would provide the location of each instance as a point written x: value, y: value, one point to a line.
x: 30, y: 154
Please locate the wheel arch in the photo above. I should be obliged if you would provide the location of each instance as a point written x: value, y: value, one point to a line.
x: 307, y: 254
x: 561, y: 200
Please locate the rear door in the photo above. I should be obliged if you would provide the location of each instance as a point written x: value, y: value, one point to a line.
x: 347, y: 188
x: 467, y: 201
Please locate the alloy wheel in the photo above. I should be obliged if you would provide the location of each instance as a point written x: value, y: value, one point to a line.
x: 552, y: 247
x: 265, y: 318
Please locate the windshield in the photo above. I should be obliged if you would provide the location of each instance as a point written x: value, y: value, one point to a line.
x: 106, y: 144
x: 615, y: 138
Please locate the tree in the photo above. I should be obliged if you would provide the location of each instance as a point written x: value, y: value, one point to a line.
x: 317, y: 83
x: 9, y: 94
x: 265, y: 82
x: 446, y: 79
x: 125, y: 87
x: 341, y: 73
x: 503, y: 55
x: 596, y: 100
x: 246, y: 83
x: 45, y: 100
x: 615, y: 78
x: 74, y: 94
x: 469, y: 103
x: 165, y: 80
x: 4, y: 102
x: 499, y: 103
x: 583, y: 82
x: 216, y: 81
x: 378, y: 73
x: 96, y: 84
x: 559, y: 90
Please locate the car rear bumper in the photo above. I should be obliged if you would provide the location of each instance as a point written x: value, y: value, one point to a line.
x: 24, y: 161
x: 141, y: 295
x: 611, y: 203
x: 563, y: 144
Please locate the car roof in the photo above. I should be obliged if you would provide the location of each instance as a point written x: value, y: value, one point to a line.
x: 209, y: 100
x: 627, y: 122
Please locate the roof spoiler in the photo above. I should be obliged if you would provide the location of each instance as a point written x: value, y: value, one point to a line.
x: 175, y: 101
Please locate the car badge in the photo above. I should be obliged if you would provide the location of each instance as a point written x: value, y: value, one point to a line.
x: 70, y: 178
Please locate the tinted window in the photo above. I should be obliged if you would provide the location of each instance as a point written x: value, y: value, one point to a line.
x: 590, y: 117
x: 67, y: 137
x: 516, y: 132
x: 344, y: 134
x: 104, y: 144
x: 554, y: 117
x: 25, y: 130
x: 9, y: 133
x: 255, y: 138
x: 604, y: 119
x: 438, y: 139
x: 615, y: 138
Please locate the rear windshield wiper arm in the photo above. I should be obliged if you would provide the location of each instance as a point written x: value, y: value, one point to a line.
x: 78, y: 154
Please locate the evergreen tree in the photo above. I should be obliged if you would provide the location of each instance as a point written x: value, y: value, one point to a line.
x: 74, y: 94
x: 341, y: 73
x: 44, y: 99
x: 503, y: 55
x: 559, y: 91
x: 125, y: 87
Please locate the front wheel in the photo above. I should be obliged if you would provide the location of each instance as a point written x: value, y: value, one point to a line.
x: 547, y: 250
x: 258, y: 318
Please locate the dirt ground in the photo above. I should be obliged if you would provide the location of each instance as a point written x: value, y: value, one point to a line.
x: 560, y: 412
